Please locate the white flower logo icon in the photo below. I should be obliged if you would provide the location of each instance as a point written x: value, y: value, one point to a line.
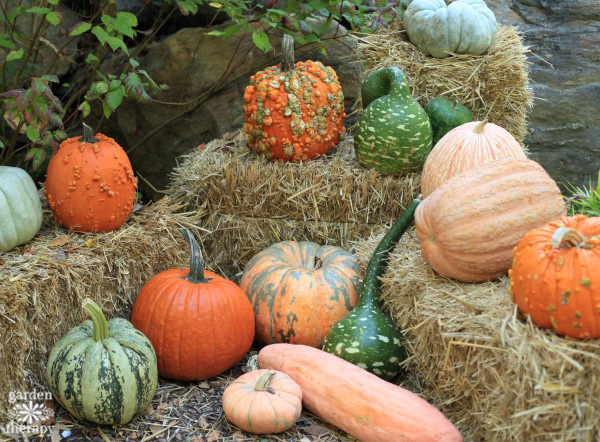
x: 29, y: 413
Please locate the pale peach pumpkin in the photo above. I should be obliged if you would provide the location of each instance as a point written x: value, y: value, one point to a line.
x: 465, y: 147
x: 469, y: 226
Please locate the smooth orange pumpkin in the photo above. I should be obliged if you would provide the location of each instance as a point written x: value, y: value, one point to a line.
x: 90, y: 184
x: 299, y: 290
x: 363, y: 405
x: 465, y: 147
x: 263, y: 402
x: 200, y: 324
x: 294, y: 112
x: 555, y: 277
x: 469, y: 226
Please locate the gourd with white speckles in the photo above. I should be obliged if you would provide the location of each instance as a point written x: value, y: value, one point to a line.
x: 393, y: 134
x: 90, y: 184
x: 367, y: 337
x: 294, y: 112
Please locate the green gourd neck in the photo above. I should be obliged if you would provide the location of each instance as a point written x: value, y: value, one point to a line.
x: 95, y: 313
x: 389, y: 81
x: 196, y: 274
x: 378, y: 262
x: 88, y: 135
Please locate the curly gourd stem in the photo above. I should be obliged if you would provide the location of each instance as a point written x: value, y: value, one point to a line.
x: 264, y: 381
x: 566, y: 237
x: 88, y: 135
x: 98, y: 318
x: 196, y: 274
x: 480, y: 127
x: 287, y: 53
x: 389, y: 81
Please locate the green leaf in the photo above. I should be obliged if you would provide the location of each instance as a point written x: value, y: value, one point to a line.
x: 32, y: 133
x: 85, y: 108
x: 37, y: 155
x: 187, y: 7
x: 38, y: 10
x: 53, y: 2
x: 106, y: 108
x: 5, y: 42
x: 1, y: 145
x: 15, y: 55
x: 133, y: 63
x: 53, y: 18
x: 115, y: 98
x: 50, y: 78
x: 91, y: 58
x: 261, y: 40
x: 100, y: 34
x: 116, y: 43
x: 80, y: 28
x: 127, y: 17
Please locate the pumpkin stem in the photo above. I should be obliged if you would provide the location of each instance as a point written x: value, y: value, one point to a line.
x: 264, y: 381
x: 318, y: 263
x: 566, y: 237
x: 479, y: 128
x: 287, y: 53
x: 98, y: 318
x: 88, y: 135
x: 196, y: 274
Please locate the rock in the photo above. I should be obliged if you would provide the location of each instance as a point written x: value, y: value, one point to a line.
x: 564, y: 37
x: 208, y: 74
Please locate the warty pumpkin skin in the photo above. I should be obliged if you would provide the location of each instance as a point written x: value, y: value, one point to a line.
x: 294, y: 112
x: 465, y: 147
x: 199, y: 323
x: 555, y: 276
x: 263, y: 402
x: 469, y: 226
x: 299, y: 290
x: 90, y: 184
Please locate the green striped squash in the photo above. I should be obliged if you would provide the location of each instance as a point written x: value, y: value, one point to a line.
x: 103, y: 372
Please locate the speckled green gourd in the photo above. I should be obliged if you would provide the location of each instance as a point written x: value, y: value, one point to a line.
x: 393, y: 134
x: 103, y: 372
x: 367, y: 337
x: 444, y: 115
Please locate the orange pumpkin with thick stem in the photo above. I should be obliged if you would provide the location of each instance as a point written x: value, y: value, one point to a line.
x: 555, y: 276
x: 90, y: 185
x: 200, y: 324
x: 294, y: 112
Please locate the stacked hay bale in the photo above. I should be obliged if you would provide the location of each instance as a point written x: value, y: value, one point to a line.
x: 43, y: 283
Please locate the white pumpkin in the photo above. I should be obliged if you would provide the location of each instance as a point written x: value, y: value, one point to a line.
x: 20, y: 208
x: 462, y: 27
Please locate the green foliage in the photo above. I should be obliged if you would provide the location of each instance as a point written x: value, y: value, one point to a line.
x: 585, y: 200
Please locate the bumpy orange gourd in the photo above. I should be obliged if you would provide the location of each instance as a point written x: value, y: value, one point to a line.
x: 90, y: 184
x: 199, y: 323
x: 469, y: 225
x: 263, y: 402
x: 294, y: 112
x: 555, y: 277
x: 465, y: 147
x: 299, y: 290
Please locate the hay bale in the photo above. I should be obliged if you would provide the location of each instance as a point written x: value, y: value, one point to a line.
x: 495, y: 375
x: 43, y: 283
x: 244, y: 203
x: 494, y: 85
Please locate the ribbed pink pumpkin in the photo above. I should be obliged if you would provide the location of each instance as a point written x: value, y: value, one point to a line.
x: 465, y: 147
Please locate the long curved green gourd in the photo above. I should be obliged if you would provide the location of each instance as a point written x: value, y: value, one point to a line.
x: 367, y: 337
x: 393, y: 134
x: 103, y: 372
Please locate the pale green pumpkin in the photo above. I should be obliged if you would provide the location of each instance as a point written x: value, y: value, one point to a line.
x: 103, y: 372
x: 462, y: 27
x: 20, y: 208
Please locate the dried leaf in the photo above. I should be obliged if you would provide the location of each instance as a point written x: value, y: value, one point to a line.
x: 204, y: 385
x: 214, y: 436
x: 88, y: 243
x: 315, y: 430
x: 133, y: 435
x: 156, y: 428
x: 203, y: 422
x: 59, y: 241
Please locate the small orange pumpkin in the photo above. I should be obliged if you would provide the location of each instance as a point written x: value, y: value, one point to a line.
x: 555, y: 276
x: 263, y: 402
x: 90, y: 184
x: 200, y: 324
x: 294, y: 112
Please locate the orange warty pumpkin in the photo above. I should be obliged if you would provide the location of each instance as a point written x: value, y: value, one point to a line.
x: 555, y: 277
x: 199, y: 323
x: 263, y: 402
x: 90, y: 185
x: 469, y: 225
x: 465, y: 147
x: 294, y: 112
x: 299, y: 290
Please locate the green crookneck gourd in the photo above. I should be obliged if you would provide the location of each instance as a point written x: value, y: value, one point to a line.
x: 367, y: 337
x: 393, y: 134
x: 446, y: 114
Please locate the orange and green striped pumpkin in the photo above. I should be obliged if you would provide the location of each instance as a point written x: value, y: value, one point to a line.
x: 299, y: 290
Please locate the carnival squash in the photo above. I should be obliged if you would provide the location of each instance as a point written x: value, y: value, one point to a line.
x: 555, y: 276
x: 103, y: 372
x: 469, y: 226
x: 299, y: 290
x: 444, y: 115
x: 363, y: 405
x: 20, y: 208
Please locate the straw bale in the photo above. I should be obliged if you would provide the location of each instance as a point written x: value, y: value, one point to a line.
x: 494, y: 374
x: 43, y: 283
x: 494, y: 85
x: 245, y: 203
